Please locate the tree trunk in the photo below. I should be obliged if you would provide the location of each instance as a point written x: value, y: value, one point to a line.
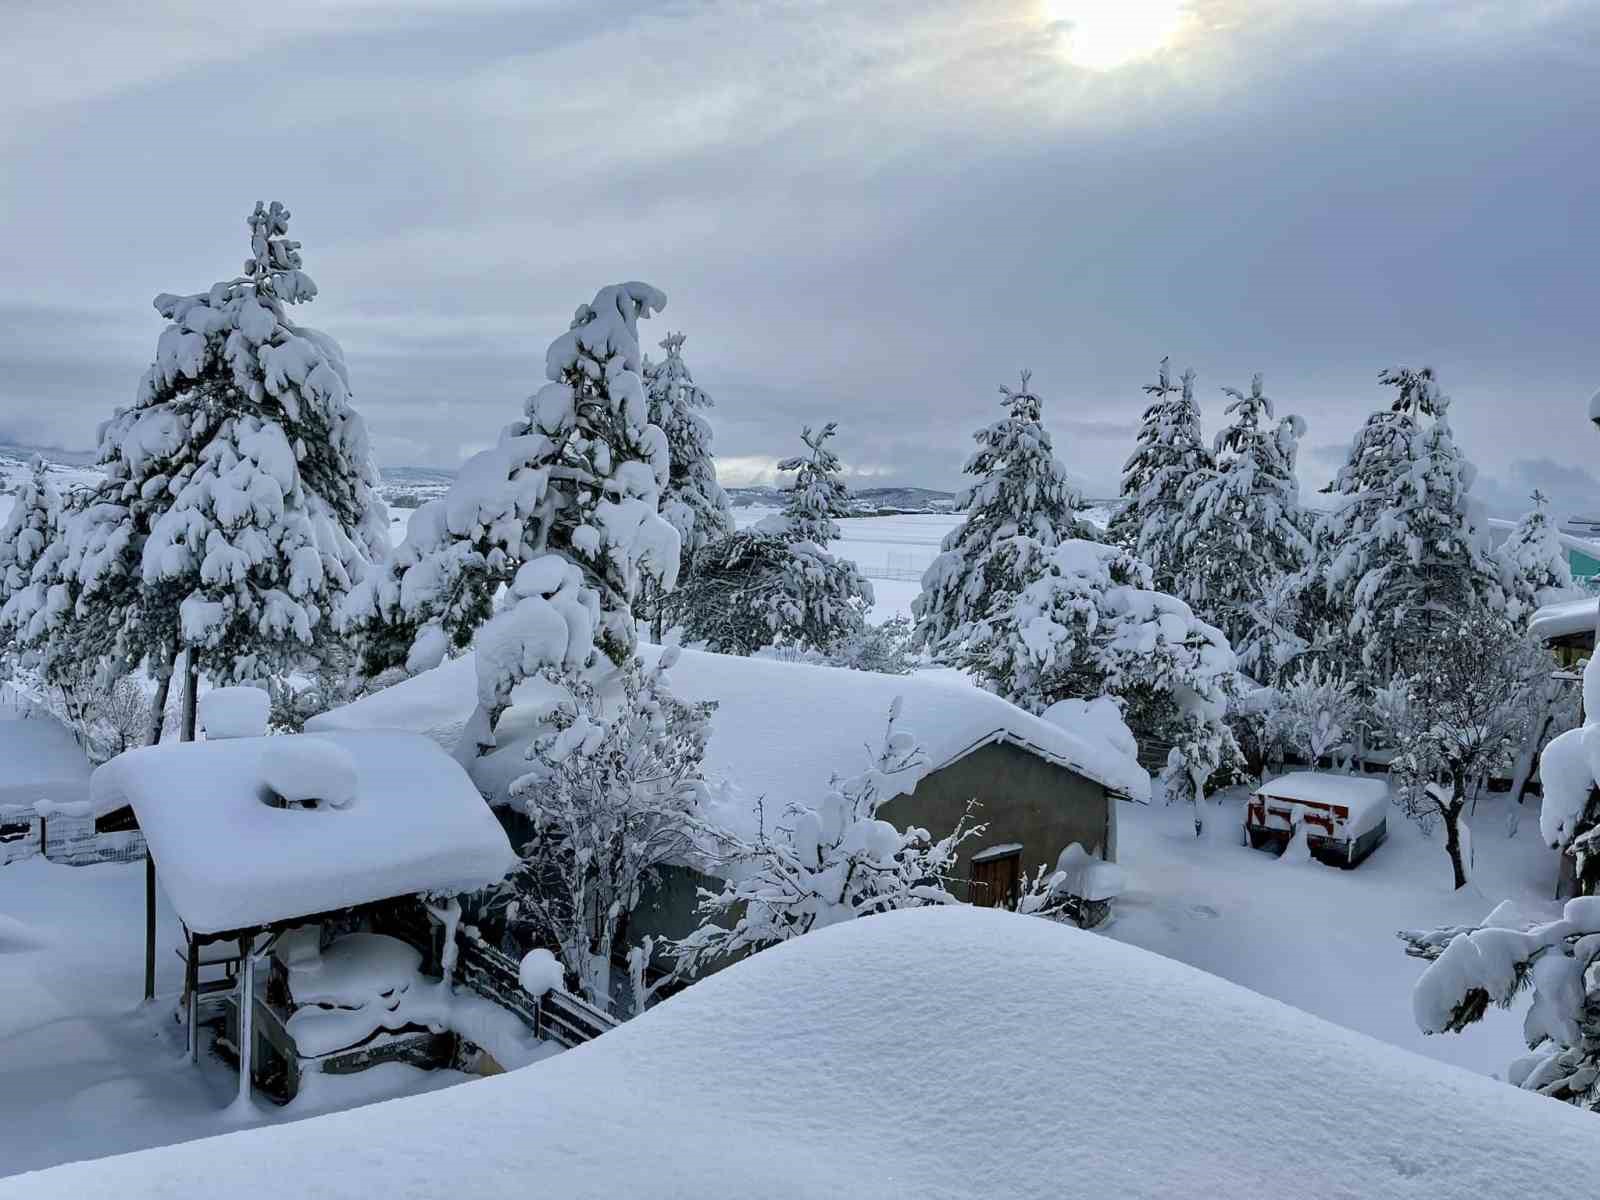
x: 191, y: 696
x: 1451, y: 813
x: 158, y: 706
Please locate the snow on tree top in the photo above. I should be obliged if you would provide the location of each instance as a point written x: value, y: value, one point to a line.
x: 1125, y: 1074
x: 232, y: 858
x: 780, y: 731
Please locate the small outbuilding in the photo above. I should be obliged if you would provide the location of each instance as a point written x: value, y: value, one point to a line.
x: 1345, y: 816
x: 334, y: 859
x: 44, y: 797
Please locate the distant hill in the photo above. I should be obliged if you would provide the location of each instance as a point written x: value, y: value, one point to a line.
x: 873, y: 501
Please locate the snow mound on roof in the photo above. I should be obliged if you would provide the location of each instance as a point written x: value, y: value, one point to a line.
x: 235, y: 712
x: 781, y: 729
x: 1564, y: 618
x: 41, y: 760
x: 846, y: 1063
x: 302, y: 770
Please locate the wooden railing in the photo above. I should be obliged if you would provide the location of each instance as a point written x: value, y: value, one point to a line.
x: 556, y: 1015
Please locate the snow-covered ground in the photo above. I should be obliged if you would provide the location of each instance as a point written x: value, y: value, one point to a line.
x: 931, y: 1053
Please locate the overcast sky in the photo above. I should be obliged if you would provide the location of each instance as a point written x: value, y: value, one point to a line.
x: 867, y: 211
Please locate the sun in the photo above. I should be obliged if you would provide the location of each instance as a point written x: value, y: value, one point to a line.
x: 1102, y: 35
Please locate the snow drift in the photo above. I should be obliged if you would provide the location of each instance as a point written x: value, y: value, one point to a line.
x: 917, y: 1054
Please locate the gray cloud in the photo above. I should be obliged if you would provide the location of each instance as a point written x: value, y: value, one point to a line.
x: 873, y: 213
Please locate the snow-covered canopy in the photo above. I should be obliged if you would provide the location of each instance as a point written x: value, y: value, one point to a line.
x: 1565, y: 619
x: 41, y: 760
x: 229, y: 857
x: 1123, y: 1074
x: 781, y: 729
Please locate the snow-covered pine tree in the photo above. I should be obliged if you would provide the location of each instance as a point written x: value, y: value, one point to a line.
x: 814, y: 867
x: 1244, y: 532
x: 1170, y: 453
x: 1405, y: 544
x: 693, y: 501
x: 1533, y: 563
x: 1020, y: 490
x: 237, y: 507
x: 563, y: 511
x: 1088, y: 624
x: 28, y: 529
x: 776, y: 584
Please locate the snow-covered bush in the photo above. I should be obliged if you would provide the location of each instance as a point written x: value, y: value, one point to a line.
x: 238, y: 505
x: 884, y: 647
x: 27, y: 530
x: 1405, y: 542
x: 1569, y: 772
x: 1466, y: 709
x: 1316, y: 712
x: 1087, y: 624
x: 563, y: 510
x: 1472, y: 967
x: 1533, y: 563
x: 1243, y: 534
x: 1021, y: 490
x: 614, y: 793
x: 776, y: 584
x: 1171, y: 453
x: 815, y: 867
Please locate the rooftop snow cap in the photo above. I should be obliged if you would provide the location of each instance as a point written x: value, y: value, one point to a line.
x: 234, y: 712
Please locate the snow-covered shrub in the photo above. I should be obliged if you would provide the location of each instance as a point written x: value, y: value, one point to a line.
x: 1405, y: 541
x: 883, y: 646
x: 613, y: 794
x: 814, y: 867
x: 1533, y: 563
x: 1243, y: 534
x: 775, y: 584
x: 1472, y: 967
x: 1088, y: 624
x: 1171, y: 452
x: 1466, y: 709
x: 1021, y: 490
x: 1569, y: 772
x: 563, y: 510
x: 1316, y: 712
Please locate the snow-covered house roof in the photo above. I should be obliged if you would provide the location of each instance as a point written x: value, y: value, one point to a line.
x: 1565, y: 618
x: 781, y: 729
x: 41, y: 760
x: 839, y: 1039
x: 401, y: 817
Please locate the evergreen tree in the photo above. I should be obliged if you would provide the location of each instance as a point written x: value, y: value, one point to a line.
x: 563, y: 512
x: 776, y: 584
x: 693, y: 501
x: 27, y: 531
x: 1170, y: 453
x: 1244, y: 532
x: 237, y: 507
x: 1533, y: 563
x: 1020, y: 490
x: 1404, y: 547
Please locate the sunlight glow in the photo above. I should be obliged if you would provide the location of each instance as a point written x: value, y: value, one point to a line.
x: 1102, y: 35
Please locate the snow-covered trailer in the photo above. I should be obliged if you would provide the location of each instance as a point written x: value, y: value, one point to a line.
x: 310, y: 853
x: 1346, y: 816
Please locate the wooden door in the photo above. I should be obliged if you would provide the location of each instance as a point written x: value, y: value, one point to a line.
x: 996, y: 880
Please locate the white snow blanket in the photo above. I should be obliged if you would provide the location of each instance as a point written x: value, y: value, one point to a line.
x: 41, y: 760
x: 1565, y: 618
x: 229, y: 858
x: 1366, y: 801
x: 1110, y: 1090
x: 780, y: 731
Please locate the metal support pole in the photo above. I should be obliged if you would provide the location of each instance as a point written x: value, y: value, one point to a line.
x: 191, y: 995
x: 247, y: 1003
x: 149, y: 926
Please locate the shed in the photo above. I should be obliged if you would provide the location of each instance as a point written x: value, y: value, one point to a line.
x: 1567, y: 627
x: 255, y: 837
x: 782, y: 729
x: 1345, y: 815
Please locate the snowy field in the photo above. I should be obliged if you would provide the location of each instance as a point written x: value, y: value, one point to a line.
x: 848, y: 1063
x: 86, y: 1071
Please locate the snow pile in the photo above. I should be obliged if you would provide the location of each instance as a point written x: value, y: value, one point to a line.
x: 780, y: 731
x: 229, y: 857
x: 1242, y: 1102
x: 235, y: 712
x: 307, y: 771
x: 1569, y: 769
x: 1565, y: 618
x: 41, y: 760
x: 1099, y: 720
x: 540, y: 972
